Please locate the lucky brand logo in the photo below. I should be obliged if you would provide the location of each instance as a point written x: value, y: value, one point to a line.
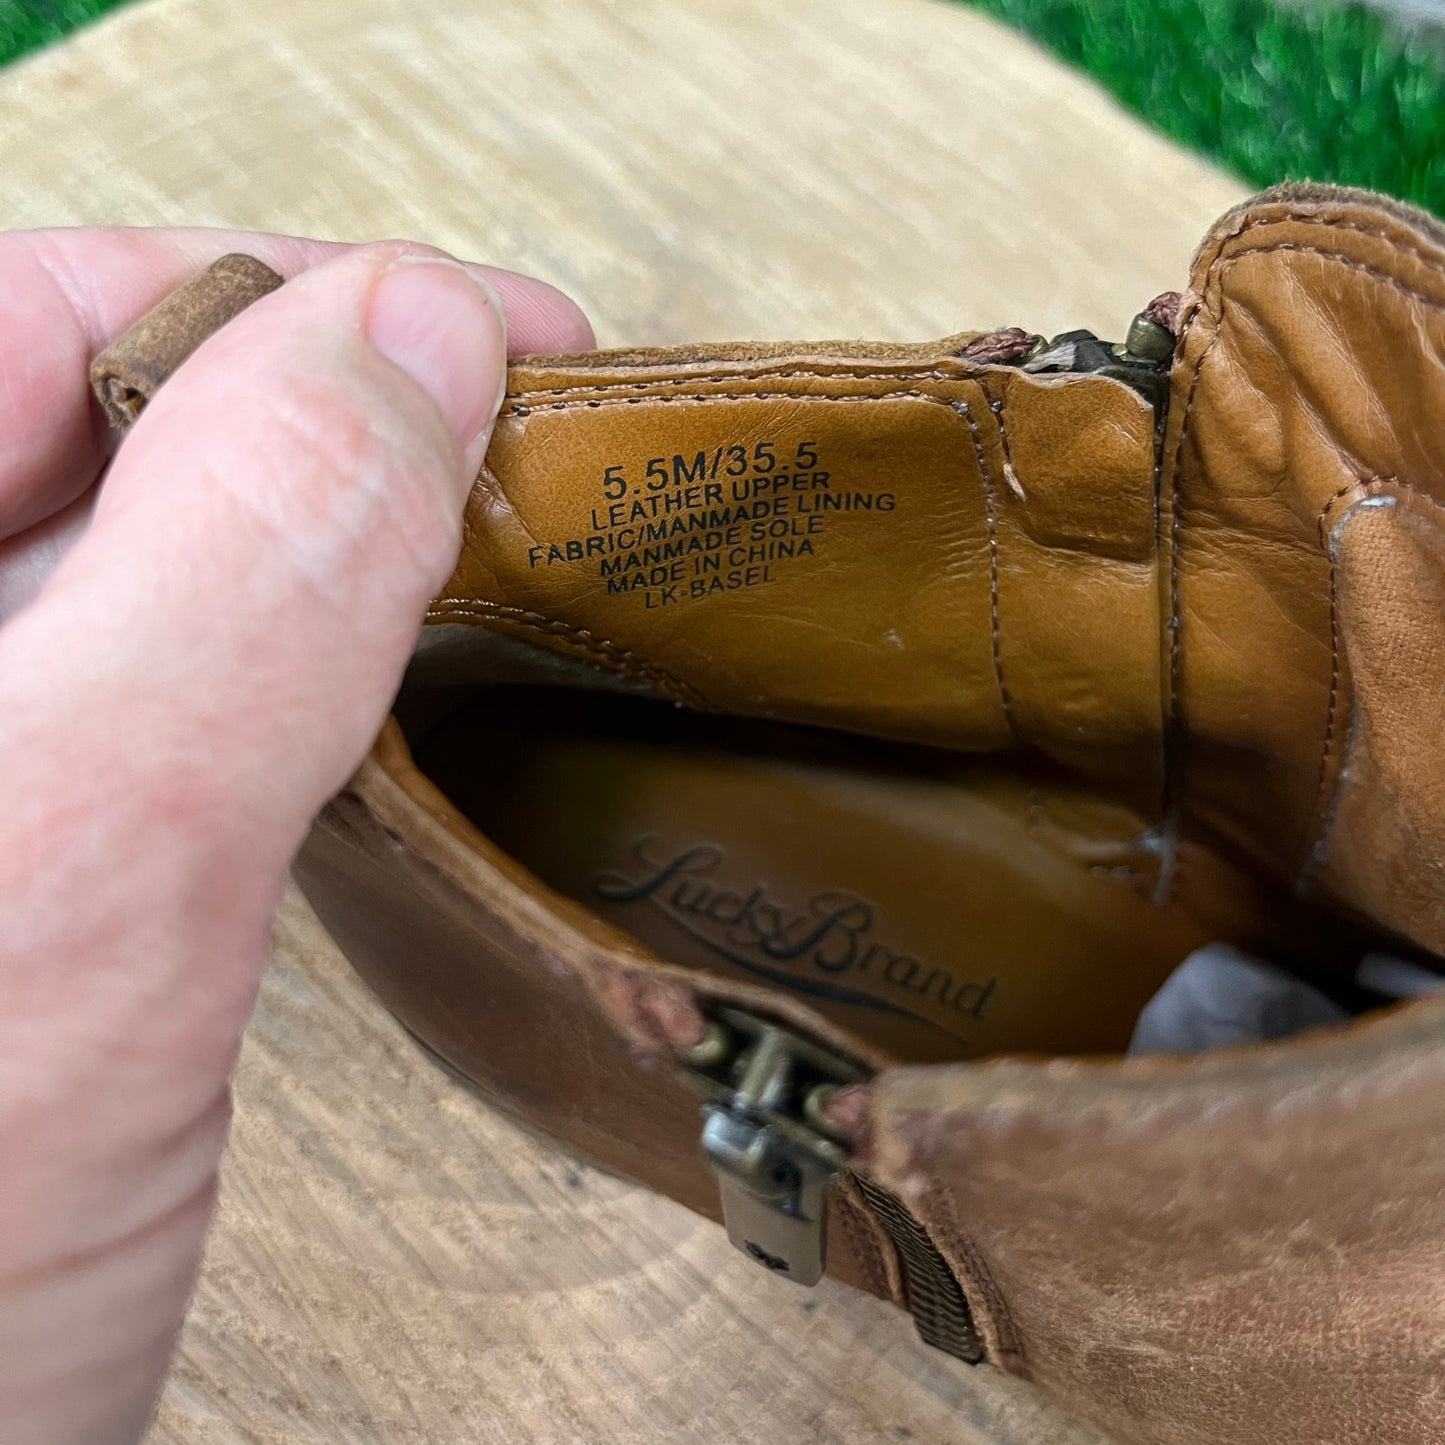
x: 825, y: 948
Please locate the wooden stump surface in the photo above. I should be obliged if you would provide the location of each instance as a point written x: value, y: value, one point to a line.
x: 392, y: 1262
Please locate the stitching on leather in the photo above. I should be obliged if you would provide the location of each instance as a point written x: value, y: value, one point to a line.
x: 1412, y: 493
x: 1015, y: 483
x: 1359, y: 484
x: 1321, y: 809
x: 608, y: 654
x: 1176, y: 649
x: 1305, y: 218
x: 1168, y: 849
x: 1327, y: 802
x: 603, y: 387
x: 1377, y: 486
x: 1332, y: 813
x: 1327, y: 798
x: 991, y: 528
x: 1212, y: 285
x: 1435, y: 303
x: 573, y: 403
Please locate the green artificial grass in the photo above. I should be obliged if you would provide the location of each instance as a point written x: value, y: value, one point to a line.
x: 1275, y: 92
x: 29, y: 24
x: 1272, y: 91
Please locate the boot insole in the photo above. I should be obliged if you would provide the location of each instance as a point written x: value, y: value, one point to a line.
x: 934, y: 906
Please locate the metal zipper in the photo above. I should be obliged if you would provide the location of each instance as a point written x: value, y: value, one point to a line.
x: 766, y: 1133
x: 933, y: 1295
x: 1140, y: 361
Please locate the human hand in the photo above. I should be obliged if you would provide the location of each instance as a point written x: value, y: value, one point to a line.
x: 193, y: 658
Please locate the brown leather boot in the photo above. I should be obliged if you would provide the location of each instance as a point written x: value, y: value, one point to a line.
x: 819, y: 748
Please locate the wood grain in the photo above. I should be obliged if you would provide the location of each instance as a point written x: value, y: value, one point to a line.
x: 392, y: 1262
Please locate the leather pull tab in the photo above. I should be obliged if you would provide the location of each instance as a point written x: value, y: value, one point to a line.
x: 128, y: 372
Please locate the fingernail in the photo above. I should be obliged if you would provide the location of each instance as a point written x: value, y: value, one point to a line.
x: 444, y: 326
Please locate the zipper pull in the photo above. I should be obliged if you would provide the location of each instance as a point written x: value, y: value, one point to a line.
x: 768, y: 1140
x: 1141, y: 362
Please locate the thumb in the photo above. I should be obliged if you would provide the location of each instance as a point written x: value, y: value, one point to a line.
x: 227, y: 635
